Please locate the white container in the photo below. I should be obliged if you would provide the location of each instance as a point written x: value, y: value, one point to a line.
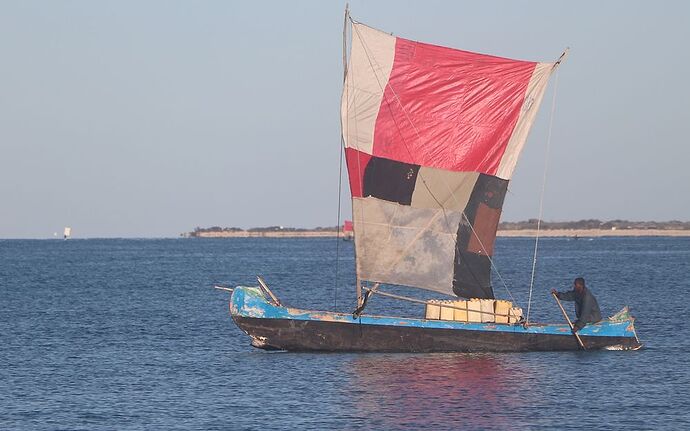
x: 515, y: 314
x: 487, y: 307
x: 433, y: 312
x: 474, y: 305
x: 502, y: 307
x: 460, y: 313
x: 447, y: 312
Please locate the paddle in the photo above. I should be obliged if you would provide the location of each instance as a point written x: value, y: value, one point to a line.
x: 577, y: 336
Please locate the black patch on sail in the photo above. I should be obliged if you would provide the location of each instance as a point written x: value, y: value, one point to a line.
x: 390, y: 180
x: 472, y: 266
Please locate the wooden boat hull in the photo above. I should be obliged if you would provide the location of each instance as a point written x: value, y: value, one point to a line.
x: 273, y: 327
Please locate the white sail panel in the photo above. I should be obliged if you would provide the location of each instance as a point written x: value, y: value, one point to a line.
x: 370, y: 65
x: 399, y: 244
x: 533, y: 97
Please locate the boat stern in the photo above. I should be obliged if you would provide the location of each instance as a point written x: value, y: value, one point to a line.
x: 631, y: 332
x: 623, y: 325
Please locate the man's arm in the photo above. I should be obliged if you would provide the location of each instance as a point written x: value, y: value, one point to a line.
x: 565, y: 296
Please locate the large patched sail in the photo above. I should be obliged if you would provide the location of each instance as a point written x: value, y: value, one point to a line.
x: 432, y: 136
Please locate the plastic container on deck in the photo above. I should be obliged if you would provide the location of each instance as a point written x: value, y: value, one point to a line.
x: 502, y: 307
x: 474, y: 305
x: 488, y: 310
x: 515, y: 314
x: 433, y: 312
x: 460, y: 315
x: 447, y: 312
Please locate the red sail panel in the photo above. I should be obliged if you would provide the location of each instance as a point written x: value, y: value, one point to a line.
x: 450, y: 109
x: 356, y: 165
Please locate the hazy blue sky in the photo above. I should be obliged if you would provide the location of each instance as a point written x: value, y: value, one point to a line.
x: 148, y: 118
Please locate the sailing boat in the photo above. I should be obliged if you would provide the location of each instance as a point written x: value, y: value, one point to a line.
x: 431, y: 137
x: 67, y: 233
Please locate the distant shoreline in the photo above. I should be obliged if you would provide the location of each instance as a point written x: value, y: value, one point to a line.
x: 527, y: 228
x: 528, y: 233
x: 268, y: 234
x: 589, y: 233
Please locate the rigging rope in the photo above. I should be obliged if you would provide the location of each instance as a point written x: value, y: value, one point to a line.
x: 543, y: 189
x: 337, y: 236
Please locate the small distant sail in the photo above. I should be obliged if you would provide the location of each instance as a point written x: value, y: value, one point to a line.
x: 348, y: 230
x: 432, y: 136
x: 67, y: 233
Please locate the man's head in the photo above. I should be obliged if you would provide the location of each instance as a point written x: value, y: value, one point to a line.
x: 579, y: 284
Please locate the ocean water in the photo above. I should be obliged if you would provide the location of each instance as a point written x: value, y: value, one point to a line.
x: 129, y: 334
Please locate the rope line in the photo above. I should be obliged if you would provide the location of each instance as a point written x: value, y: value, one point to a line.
x: 543, y: 189
x: 337, y: 236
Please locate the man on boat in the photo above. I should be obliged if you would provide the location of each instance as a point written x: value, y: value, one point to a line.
x: 586, y: 305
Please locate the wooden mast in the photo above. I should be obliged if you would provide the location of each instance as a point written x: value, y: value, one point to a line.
x: 346, y: 18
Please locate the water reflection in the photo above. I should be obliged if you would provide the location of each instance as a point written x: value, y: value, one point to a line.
x: 466, y: 390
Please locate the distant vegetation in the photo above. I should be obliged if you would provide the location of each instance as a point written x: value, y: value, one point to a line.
x: 218, y: 229
x: 520, y: 225
x: 596, y: 224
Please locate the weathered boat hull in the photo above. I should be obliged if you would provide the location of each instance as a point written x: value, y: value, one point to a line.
x: 273, y: 327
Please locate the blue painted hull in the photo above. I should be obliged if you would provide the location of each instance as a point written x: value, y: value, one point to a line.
x: 273, y: 327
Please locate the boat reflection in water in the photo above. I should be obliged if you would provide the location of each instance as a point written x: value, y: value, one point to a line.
x: 452, y: 391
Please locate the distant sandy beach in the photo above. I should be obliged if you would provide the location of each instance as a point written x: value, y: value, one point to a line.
x: 268, y: 234
x: 583, y: 233
x: 530, y: 233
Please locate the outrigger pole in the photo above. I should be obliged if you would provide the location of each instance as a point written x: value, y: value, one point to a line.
x: 577, y: 336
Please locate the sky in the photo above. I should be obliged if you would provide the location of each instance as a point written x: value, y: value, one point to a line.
x: 147, y: 119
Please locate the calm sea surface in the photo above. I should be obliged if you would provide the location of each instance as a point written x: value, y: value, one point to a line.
x: 129, y: 334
